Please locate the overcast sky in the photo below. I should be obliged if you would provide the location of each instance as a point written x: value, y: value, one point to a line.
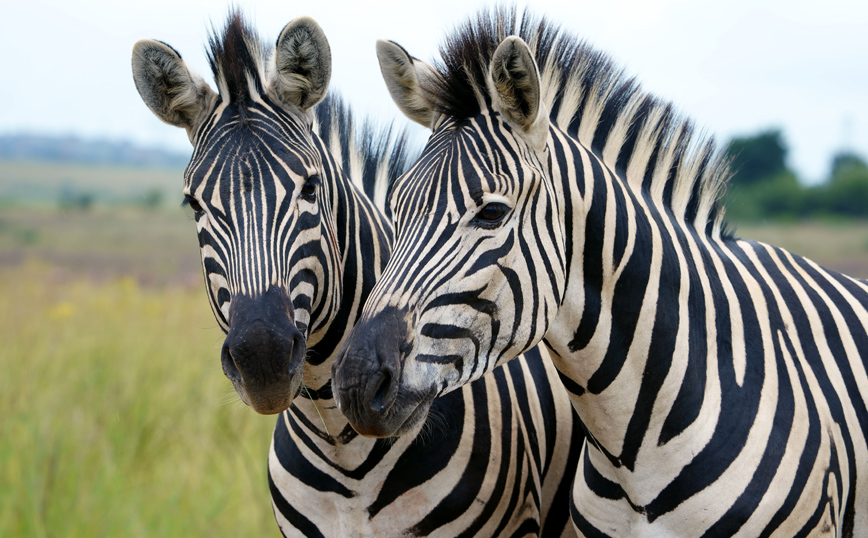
x: 735, y: 67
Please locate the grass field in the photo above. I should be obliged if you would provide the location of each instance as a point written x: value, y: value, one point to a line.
x: 38, y: 183
x: 116, y: 417
x: 838, y: 245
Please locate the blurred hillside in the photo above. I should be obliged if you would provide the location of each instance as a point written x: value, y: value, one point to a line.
x: 72, y: 149
x: 71, y: 172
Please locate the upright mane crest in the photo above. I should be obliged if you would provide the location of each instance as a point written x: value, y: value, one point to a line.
x: 236, y: 57
x: 589, y: 97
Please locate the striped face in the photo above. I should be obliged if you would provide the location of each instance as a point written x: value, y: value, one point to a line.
x: 268, y: 244
x: 475, y: 278
x: 258, y: 184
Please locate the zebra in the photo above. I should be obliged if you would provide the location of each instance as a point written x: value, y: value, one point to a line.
x: 290, y: 247
x: 721, y: 382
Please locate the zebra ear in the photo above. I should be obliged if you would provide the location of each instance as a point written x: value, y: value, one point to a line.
x: 405, y: 78
x: 515, y: 89
x: 303, y: 64
x: 172, y: 91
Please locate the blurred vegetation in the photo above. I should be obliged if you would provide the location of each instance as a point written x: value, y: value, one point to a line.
x: 70, y: 148
x: 154, y: 246
x: 81, y: 187
x: 764, y: 189
x: 117, y: 420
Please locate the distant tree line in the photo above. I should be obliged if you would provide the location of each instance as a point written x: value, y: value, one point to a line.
x: 72, y: 149
x: 764, y: 188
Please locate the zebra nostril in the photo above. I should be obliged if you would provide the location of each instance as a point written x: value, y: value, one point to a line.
x: 380, y: 400
x: 230, y: 369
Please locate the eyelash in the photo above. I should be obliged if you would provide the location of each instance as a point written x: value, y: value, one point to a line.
x: 496, y: 212
x: 194, y: 205
x: 308, y: 190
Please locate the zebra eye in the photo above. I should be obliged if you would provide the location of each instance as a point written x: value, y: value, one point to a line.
x: 491, y: 214
x: 194, y: 205
x: 308, y: 190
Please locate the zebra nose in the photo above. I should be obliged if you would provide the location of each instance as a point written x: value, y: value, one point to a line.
x: 230, y: 367
x: 263, y: 354
x: 258, y: 352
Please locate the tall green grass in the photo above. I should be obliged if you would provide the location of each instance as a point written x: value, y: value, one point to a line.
x: 115, y: 417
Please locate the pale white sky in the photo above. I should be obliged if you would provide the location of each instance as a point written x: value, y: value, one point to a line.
x: 735, y: 67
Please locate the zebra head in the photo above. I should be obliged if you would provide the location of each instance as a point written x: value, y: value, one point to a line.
x: 257, y: 185
x: 478, y: 268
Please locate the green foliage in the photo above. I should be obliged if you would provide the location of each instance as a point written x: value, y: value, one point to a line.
x: 763, y: 189
x: 846, y: 193
x: 72, y: 199
x: 778, y: 197
x: 152, y: 199
x: 116, y: 417
x: 845, y: 162
x: 758, y: 157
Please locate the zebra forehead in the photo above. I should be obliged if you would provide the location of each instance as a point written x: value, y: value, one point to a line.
x: 463, y: 159
x: 257, y: 144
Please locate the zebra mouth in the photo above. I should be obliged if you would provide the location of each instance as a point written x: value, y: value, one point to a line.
x: 267, y: 382
x: 272, y: 398
x: 416, y: 418
x: 406, y: 416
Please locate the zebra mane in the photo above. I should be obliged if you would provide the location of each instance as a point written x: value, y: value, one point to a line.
x: 237, y: 60
x: 635, y: 133
x: 372, y: 156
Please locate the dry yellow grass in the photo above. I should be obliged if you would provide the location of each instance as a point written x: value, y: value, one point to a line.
x: 116, y: 417
x: 838, y: 245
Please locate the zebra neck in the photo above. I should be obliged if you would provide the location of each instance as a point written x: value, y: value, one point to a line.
x: 365, y: 238
x: 634, y: 322
x: 317, y: 427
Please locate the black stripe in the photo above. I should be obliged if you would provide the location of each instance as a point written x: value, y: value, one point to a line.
x: 292, y: 460
x: 293, y: 516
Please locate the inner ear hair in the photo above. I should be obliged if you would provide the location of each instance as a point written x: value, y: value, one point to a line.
x: 515, y: 81
x: 302, y: 64
x: 172, y: 91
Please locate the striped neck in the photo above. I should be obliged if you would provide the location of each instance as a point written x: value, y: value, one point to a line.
x: 635, y: 323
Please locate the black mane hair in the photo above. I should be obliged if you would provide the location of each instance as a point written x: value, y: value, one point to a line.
x: 236, y: 57
x: 384, y: 152
x: 591, y: 99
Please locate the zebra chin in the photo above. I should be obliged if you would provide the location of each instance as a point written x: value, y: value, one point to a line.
x: 263, y: 354
x: 267, y: 400
x: 365, y: 412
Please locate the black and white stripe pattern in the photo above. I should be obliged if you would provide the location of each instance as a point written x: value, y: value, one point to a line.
x: 722, y: 382
x: 284, y: 230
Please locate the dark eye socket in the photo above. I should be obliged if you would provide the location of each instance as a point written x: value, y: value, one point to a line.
x: 194, y: 204
x: 308, y: 190
x: 491, y: 214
